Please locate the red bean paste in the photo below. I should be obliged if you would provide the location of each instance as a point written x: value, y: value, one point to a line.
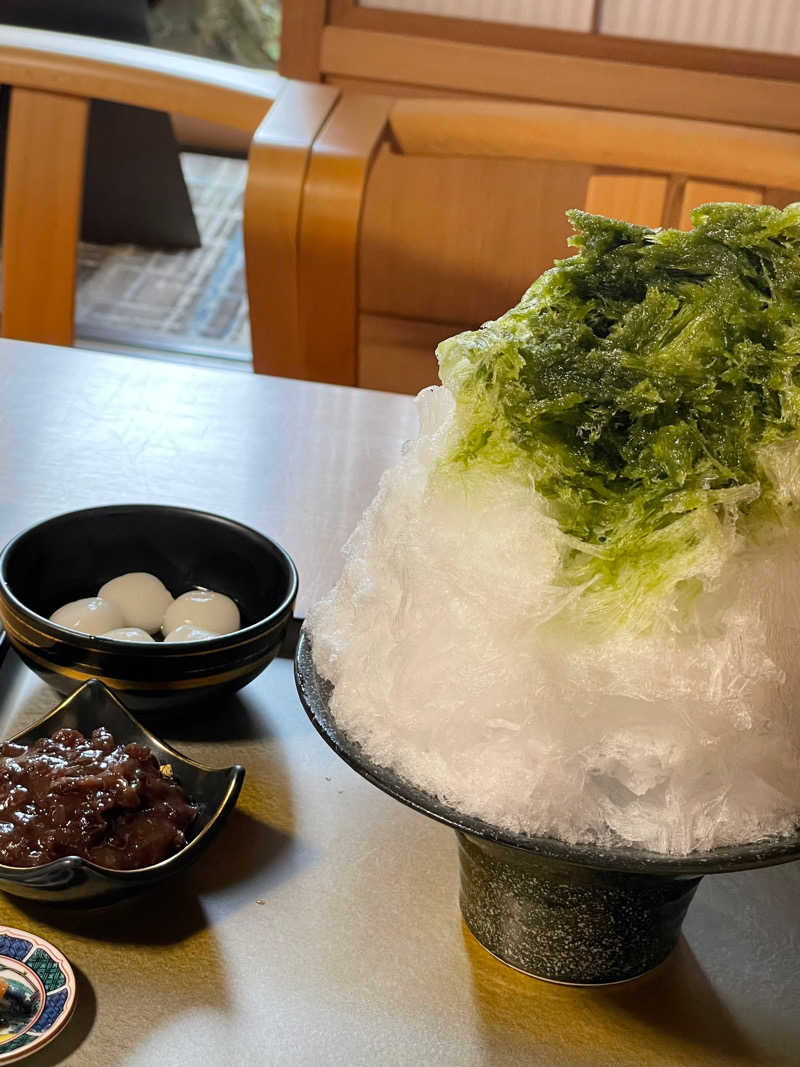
x: 68, y: 796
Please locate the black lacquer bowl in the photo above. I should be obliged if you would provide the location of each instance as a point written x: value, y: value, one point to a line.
x: 71, y: 556
x: 576, y: 914
x: 76, y: 881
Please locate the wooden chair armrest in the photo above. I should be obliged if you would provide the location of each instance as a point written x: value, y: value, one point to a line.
x: 73, y: 65
x: 333, y: 200
x: 279, y: 156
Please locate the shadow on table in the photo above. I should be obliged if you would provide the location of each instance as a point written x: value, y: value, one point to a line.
x: 679, y: 999
x: 258, y: 849
x: 671, y: 1015
x: 162, y: 915
x: 230, y: 718
x: 173, y: 911
x: 67, y: 1043
x: 247, y: 850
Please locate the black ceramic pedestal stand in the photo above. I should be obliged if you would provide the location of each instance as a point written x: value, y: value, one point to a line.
x: 564, y: 923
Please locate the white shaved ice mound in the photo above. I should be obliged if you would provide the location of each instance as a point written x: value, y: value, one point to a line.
x: 442, y: 642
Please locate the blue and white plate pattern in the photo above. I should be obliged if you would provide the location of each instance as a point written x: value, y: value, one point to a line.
x: 37, y: 993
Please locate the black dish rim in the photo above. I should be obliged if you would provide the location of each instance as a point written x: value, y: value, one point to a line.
x: 315, y: 691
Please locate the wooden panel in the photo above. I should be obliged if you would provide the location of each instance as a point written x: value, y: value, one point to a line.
x: 556, y: 14
x: 394, y: 89
x: 611, y: 138
x: 398, y: 355
x: 41, y: 215
x: 755, y: 25
x: 459, y: 240
x: 781, y: 197
x: 562, y: 78
x: 278, y: 163
x: 650, y: 52
x: 301, y: 36
x: 136, y: 74
x: 697, y: 193
x: 329, y: 231
x: 676, y: 185
x: 635, y: 198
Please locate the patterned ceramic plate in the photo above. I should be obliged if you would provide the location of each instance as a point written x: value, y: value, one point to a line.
x: 37, y: 993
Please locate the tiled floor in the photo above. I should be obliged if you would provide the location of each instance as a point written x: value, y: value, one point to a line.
x: 192, y: 303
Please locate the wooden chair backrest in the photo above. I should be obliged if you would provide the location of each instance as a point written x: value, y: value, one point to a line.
x: 422, y: 217
x: 400, y: 53
x: 724, y: 161
x: 53, y: 77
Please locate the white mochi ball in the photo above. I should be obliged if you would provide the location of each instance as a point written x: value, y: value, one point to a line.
x: 187, y: 632
x: 204, y: 609
x: 129, y: 633
x: 141, y: 597
x: 91, y: 615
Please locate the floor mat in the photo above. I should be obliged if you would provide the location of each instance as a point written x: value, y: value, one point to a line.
x: 193, y: 302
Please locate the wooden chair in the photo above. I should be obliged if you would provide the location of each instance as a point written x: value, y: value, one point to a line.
x: 420, y: 48
x: 53, y: 77
x: 422, y: 217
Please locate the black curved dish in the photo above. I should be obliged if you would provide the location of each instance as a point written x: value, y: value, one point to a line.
x: 71, y: 556
x: 76, y: 881
x: 574, y: 914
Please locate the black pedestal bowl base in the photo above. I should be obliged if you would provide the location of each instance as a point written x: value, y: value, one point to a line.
x: 577, y: 914
x: 569, y: 924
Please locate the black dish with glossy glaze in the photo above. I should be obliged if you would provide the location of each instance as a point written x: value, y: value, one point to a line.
x: 71, y: 556
x: 578, y: 914
x: 76, y: 881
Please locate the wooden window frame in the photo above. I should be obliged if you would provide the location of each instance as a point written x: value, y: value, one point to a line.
x: 304, y: 19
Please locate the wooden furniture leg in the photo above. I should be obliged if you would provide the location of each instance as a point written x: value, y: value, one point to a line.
x: 41, y: 214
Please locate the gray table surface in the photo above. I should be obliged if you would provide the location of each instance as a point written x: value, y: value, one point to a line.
x: 322, y: 926
x: 297, y: 460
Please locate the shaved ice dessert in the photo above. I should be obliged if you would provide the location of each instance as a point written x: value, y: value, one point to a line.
x: 573, y: 608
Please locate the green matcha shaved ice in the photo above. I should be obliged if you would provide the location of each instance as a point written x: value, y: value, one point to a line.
x: 648, y: 385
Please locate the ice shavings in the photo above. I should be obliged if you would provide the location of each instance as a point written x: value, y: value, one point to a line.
x: 598, y: 646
